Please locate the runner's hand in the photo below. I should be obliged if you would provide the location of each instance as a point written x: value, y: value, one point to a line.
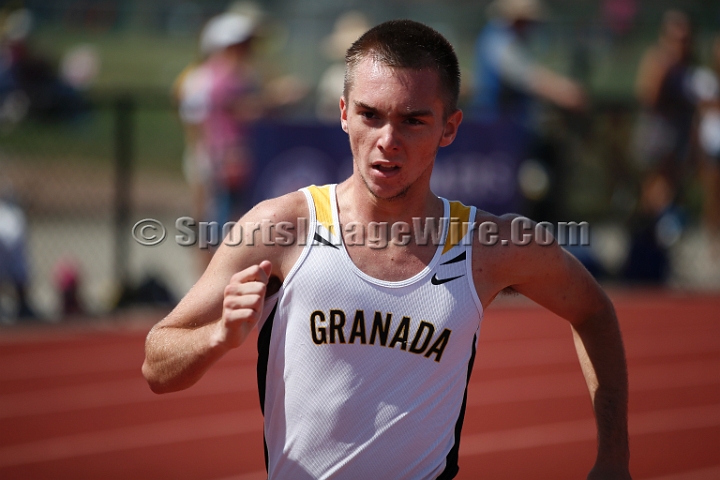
x: 243, y: 302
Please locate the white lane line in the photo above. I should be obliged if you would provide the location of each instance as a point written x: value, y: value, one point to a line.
x: 674, y: 419
x: 246, y: 421
x: 712, y: 473
x: 40, y: 365
x: 659, y: 421
x: 120, y: 392
x: 553, y: 351
x: 563, y: 385
x: 126, y: 438
x: 232, y: 379
x: 492, y: 354
x: 89, y: 359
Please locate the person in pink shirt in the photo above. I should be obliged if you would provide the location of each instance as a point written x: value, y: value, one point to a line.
x: 220, y: 97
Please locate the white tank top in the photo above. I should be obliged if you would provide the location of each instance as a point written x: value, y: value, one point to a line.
x: 366, y: 378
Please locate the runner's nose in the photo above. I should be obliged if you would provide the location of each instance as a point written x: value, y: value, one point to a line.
x: 389, y: 140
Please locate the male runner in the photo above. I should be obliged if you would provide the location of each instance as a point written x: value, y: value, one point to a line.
x: 365, y: 352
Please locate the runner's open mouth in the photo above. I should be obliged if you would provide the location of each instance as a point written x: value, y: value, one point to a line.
x: 385, y: 168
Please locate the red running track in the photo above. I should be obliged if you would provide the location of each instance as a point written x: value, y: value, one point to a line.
x: 73, y: 404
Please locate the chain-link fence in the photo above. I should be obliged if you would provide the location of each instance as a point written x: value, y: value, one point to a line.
x: 81, y: 182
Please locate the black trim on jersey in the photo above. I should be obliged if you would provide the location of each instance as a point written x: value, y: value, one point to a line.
x: 263, y: 347
x: 318, y: 238
x: 451, y: 461
x: 459, y: 258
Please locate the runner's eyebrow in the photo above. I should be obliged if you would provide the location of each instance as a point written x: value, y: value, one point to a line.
x: 418, y: 113
x: 411, y: 113
x: 364, y: 106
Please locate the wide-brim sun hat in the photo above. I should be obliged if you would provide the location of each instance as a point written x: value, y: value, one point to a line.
x: 225, y: 30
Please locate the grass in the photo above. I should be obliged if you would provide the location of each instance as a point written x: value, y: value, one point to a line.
x: 157, y: 142
x: 141, y: 65
x: 129, y: 60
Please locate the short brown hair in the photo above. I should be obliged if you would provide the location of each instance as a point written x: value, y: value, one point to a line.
x: 408, y: 44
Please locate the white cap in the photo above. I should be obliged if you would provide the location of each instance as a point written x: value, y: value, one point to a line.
x: 225, y: 30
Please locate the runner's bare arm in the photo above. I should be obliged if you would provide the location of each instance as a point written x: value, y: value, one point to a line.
x: 221, y: 308
x: 556, y: 280
x: 565, y: 287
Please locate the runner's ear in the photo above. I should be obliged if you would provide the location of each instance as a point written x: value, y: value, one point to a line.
x: 343, y: 114
x: 451, y: 128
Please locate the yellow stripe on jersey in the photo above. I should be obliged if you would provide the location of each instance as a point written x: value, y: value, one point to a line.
x: 459, y: 218
x: 323, y: 210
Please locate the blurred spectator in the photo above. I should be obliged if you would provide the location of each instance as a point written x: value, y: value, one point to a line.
x: 28, y: 78
x: 508, y: 79
x: 663, y: 135
x: 706, y: 85
x: 619, y: 16
x: 510, y: 86
x: 80, y: 66
x: 217, y: 99
x: 190, y: 91
x: 150, y: 291
x: 654, y: 227
x: 348, y: 28
x: 67, y: 283
x: 14, y: 102
x: 662, y: 143
x: 13, y: 261
x: 233, y: 100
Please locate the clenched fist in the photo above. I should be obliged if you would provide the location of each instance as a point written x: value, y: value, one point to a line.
x: 243, y: 302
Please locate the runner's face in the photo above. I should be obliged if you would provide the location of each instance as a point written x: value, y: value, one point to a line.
x: 395, y: 120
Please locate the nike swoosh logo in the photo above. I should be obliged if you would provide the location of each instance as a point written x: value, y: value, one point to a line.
x: 439, y: 281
